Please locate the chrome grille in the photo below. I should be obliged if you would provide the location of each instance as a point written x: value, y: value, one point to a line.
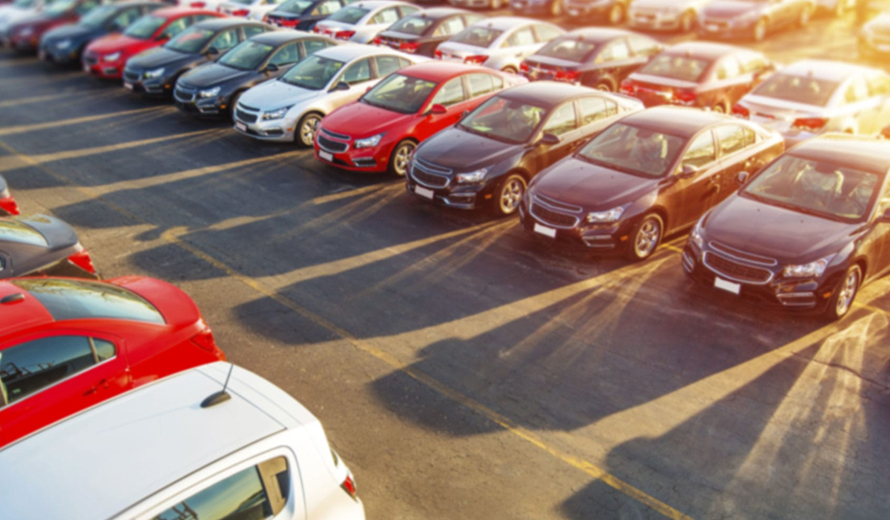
x: 245, y: 116
x: 736, y: 271
x: 131, y: 76
x: 553, y: 218
x: 431, y: 168
x: 742, y: 255
x: 184, y: 95
x: 557, y: 205
x: 245, y: 107
x: 331, y: 146
x: 335, y: 135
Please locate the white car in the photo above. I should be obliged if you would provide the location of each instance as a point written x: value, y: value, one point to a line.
x: 665, y: 15
x: 811, y: 97
x: 361, y: 22
x: 213, y: 5
x: 250, y: 9
x: 18, y: 10
x: 838, y: 7
x: 288, y: 109
x: 166, y: 451
x: 498, y: 43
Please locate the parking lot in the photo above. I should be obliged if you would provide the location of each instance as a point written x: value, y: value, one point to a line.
x: 464, y: 370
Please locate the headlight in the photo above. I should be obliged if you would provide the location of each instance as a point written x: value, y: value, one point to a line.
x: 276, y: 114
x: 209, y: 93
x: 468, y: 178
x: 604, y: 217
x: 695, y: 235
x: 111, y: 57
x: 810, y: 270
x: 369, y: 142
x: 153, y: 74
x: 64, y: 44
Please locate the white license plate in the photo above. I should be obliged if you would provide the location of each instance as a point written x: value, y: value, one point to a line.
x: 423, y: 192
x: 326, y: 156
x: 241, y: 126
x: 726, y: 285
x: 128, y: 86
x: 546, y: 231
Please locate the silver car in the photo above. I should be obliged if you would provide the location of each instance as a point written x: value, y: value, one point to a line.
x: 664, y: 15
x: 811, y: 97
x: 361, y: 22
x: 498, y: 43
x: 288, y: 109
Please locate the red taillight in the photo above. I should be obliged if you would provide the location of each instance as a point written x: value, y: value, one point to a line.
x: 812, y: 124
x: 344, y: 35
x: 349, y: 486
x: 685, y: 96
x: 409, y: 47
x: 476, y: 60
x: 198, y: 5
x: 8, y: 205
x: 82, y: 259
x: 523, y: 67
x: 240, y: 12
x: 289, y: 23
x: 628, y: 87
x: 204, y: 339
x: 740, y: 111
x: 438, y: 54
x: 378, y: 41
x: 567, y: 75
x: 266, y: 19
x: 316, y: 29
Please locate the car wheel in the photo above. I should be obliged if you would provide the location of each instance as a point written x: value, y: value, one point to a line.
x: 556, y: 8
x: 805, y: 16
x: 687, y: 22
x: 605, y: 86
x: 305, y: 135
x: 842, y: 301
x: 616, y: 14
x: 760, y: 30
x: 509, y: 195
x: 646, y: 237
x: 398, y: 160
x: 721, y: 107
x: 509, y: 69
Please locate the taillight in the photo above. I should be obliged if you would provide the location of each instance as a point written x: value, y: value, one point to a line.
x: 685, y: 96
x: 204, y: 339
x: 266, y: 19
x: 240, y: 12
x: 316, y: 29
x: 476, y: 60
x: 812, y: 124
x: 378, y: 41
x: 409, y: 47
x: 198, y: 5
x: 741, y: 111
x: 628, y: 87
x: 344, y: 35
x: 8, y: 205
x: 82, y: 259
x: 438, y: 54
x: 567, y: 75
x: 289, y: 23
x: 348, y: 485
x: 523, y: 67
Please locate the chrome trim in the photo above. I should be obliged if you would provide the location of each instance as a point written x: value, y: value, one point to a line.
x: 536, y: 199
x: 731, y: 278
x: 430, y: 169
x: 323, y: 147
x: 556, y: 205
x: 728, y: 251
x: 60, y: 381
x: 335, y: 135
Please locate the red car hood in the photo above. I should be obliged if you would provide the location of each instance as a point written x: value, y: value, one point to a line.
x: 371, y: 120
x: 119, y: 42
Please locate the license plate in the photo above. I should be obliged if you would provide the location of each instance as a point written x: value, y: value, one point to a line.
x: 546, y: 231
x: 326, y: 156
x: 423, y: 192
x: 128, y: 86
x: 241, y: 126
x: 726, y: 285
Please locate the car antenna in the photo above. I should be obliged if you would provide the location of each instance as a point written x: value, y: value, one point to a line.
x: 221, y: 396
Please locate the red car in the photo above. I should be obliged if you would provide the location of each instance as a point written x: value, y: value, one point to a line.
x: 106, y: 57
x: 8, y: 205
x: 380, y: 131
x: 24, y: 36
x: 67, y: 344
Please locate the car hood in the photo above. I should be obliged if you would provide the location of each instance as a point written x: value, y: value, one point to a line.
x: 58, y: 234
x: 775, y: 232
x: 74, y: 31
x: 368, y: 119
x: 463, y: 151
x: 113, y: 43
x: 211, y: 74
x: 161, y: 57
x: 551, y: 62
x: 275, y: 94
x: 593, y: 187
x: 729, y: 8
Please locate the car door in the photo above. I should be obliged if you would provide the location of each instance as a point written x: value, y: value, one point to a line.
x: 692, y: 194
x: 615, y: 62
x: 453, y: 96
x: 358, y: 75
x: 737, y: 152
x: 284, y: 58
x: 521, y: 43
x: 563, y: 123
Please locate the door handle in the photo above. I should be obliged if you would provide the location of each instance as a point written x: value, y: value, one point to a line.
x: 101, y: 385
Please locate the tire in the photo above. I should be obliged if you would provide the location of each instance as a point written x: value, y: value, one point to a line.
x: 687, y: 22
x: 556, y: 8
x: 509, y: 69
x: 508, y: 195
x: 304, y: 134
x: 616, y: 14
x: 605, y: 86
x: 759, y: 32
x: 845, y: 294
x: 806, y: 14
x: 721, y: 107
x: 646, y: 237
x: 398, y: 159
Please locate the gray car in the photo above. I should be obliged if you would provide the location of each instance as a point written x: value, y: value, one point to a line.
x: 40, y: 244
x: 499, y: 43
x: 361, y: 22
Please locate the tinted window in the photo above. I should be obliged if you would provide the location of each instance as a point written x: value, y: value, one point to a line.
x: 450, y: 26
x: 451, y: 93
x: 190, y: 41
x: 176, y: 27
x: 247, y: 56
x: 295, y: 6
x: 728, y: 69
x: 126, y: 18
x: 400, y: 93
x: 480, y: 84
x: 240, y: 496
x: 752, y: 64
x: 504, y: 120
x: 676, y: 67
x: 71, y: 300
x: 313, y: 46
x: 701, y: 152
x: 801, y: 89
x: 286, y: 55
x: 12, y: 230
x: 390, y: 15
x: 615, y: 51
x: 98, y: 17
x: 634, y: 150
x: 386, y: 65
x: 313, y: 73
x: 349, y: 15
x: 415, y: 25
x: 477, y: 36
x: 252, y: 30
x: 641, y: 45
x: 595, y: 108
x: 329, y: 7
x: 733, y: 138
x: 857, y: 91
x: 571, y: 49
x: 225, y: 40
x: 145, y: 27
x: 562, y: 120
x: 523, y: 36
x: 357, y: 72
x: 545, y: 33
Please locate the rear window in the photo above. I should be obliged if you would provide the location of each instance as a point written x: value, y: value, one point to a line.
x: 350, y: 15
x: 74, y: 300
x: 676, y: 67
x: 799, y: 89
x: 12, y: 230
x: 477, y: 36
x: 571, y: 49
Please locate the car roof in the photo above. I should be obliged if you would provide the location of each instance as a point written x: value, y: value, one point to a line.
x: 545, y: 94
x: 141, y: 442
x: 679, y: 121
x: 505, y: 23
x: 224, y: 22
x: 374, y: 4
x: 441, y: 70
x: 825, y: 69
x: 708, y: 50
x: 351, y: 51
x: 861, y: 153
x: 279, y: 37
x: 22, y: 314
x: 439, y: 12
x: 598, y: 34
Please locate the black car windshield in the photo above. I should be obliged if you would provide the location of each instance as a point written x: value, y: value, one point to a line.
x: 246, y: 56
x: 349, y: 15
x: 504, y: 120
x: 60, y: 7
x: 295, y: 6
x: 415, y: 25
x: 191, y: 40
x: 799, y: 89
x: 74, y: 300
x: 682, y: 68
x: 98, y: 16
x: 400, y: 93
x: 634, y: 150
x: 571, y: 49
x: 313, y: 73
x: 144, y: 27
x: 822, y: 189
x: 11, y: 230
x: 477, y: 36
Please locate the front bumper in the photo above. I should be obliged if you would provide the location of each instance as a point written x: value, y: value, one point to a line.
x: 655, y: 21
x: 99, y: 68
x: 725, y: 29
x: 451, y: 194
x: 588, y: 9
x: 187, y: 100
x: 134, y: 81
x: 249, y: 122
x: 337, y: 150
x: 49, y: 52
x: 23, y: 43
x: 570, y: 229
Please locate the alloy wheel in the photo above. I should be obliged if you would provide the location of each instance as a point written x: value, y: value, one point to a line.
x: 647, y: 237
x: 847, y: 292
x: 307, y: 129
x: 400, y: 158
x: 511, y: 194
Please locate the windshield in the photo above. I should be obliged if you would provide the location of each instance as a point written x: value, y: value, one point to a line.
x: 676, y: 67
x: 294, y: 6
x: 477, y: 36
x: 98, y: 16
x: 313, y: 73
x: 350, y: 15
x: 400, y: 93
x: 144, y: 27
x: 246, y: 56
x: 24, y: 4
x: 800, y: 89
x: 12, y: 230
x: 504, y: 120
x: 74, y: 300
x: 60, y: 7
x: 822, y: 189
x: 568, y: 49
x: 415, y: 25
x: 191, y: 40
x: 634, y: 150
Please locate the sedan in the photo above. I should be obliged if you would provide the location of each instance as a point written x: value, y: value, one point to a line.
x: 361, y: 22
x: 874, y: 39
x: 665, y: 15
x: 698, y: 74
x: 498, y: 43
x: 250, y: 9
x: 69, y: 344
x: 214, y: 88
x: 811, y: 97
x: 596, y: 57
x: 803, y: 234
x: 754, y: 19
x: 488, y: 158
x: 24, y: 36
x: 39, y: 244
x: 303, y: 14
x: 649, y: 175
x: 612, y: 12
x: 15, y: 12
x: 154, y: 72
x: 380, y: 131
x: 289, y: 109
x: 421, y: 33
x: 8, y: 205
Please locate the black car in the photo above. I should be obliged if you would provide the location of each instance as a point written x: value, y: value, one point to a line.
x: 213, y: 88
x: 40, y: 244
x: 420, y: 33
x: 303, y: 14
x: 754, y: 19
x: 612, y: 11
x: 64, y: 45
x: 805, y: 233
x: 154, y: 72
x: 488, y: 158
x: 595, y: 57
x: 649, y: 175
x: 8, y: 205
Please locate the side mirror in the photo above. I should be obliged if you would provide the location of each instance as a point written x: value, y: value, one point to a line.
x: 213, y: 51
x: 743, y: 177
x: 340, y: 86
x: 688, y: 171
x: 550, y: 139
x: 438, y: 109
x: 885, y: 218
x: 271, y: 68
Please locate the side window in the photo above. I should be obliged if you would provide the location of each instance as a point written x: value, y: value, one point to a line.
x: 752, y: 64
x: 358, y: 72
x: 701, y: 152
x: 252, y: 30
x: 225, y: 40
x: 545, y: 33
x: 733, y: 138
x: 857, y: 91
x: 404, y: 62
x: 286, y: 55
x: 176, y: 27
x: 450, y: 27
x: 728, y: 68
x: 450, y: 93
x: 329, y: 7
x: 562, y: 120
x: 523, y: 36
x: 389, y: 16
x: 615, y: 51
x: 125, y: 18
x: 199, y: 18
x: 407, y: 9
x: 480, y: 84
x: 643, y: 46
x: 28, y: 368
x: 313, y: 46
x: 879, y: 85
x: 386, y: 65
x: 595, y: 108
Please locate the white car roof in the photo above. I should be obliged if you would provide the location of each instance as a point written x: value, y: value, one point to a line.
x: 352, y: 51
x: 373, y: 5
x: 505, y: 23
x: 825, y: 69
x: 97, y: 463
